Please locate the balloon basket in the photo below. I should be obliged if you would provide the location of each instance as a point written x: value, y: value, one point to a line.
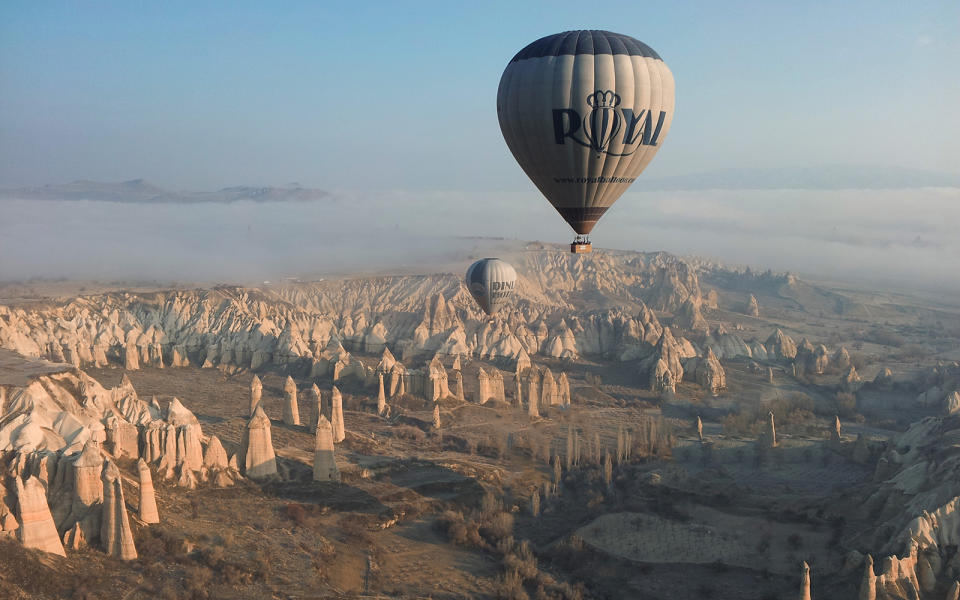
x: 581, y: 247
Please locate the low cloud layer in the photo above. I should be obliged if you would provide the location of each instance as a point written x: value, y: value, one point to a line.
x: 904, y: 236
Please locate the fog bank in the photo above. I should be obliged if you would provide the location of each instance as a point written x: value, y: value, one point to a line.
x: 906, y: 236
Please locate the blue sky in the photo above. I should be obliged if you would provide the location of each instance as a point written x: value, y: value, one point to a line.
x: 401, y: 95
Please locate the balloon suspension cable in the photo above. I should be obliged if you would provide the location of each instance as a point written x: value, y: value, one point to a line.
x: 581, y: 244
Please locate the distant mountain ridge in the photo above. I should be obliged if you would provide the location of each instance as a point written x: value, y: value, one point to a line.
x: 138, y: 191
x: 859, y: 177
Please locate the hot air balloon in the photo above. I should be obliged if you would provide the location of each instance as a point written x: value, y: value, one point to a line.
x: 584, y: 112
x: 491, y: 282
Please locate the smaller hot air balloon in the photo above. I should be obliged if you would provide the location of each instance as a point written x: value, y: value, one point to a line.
x: 491, y: 282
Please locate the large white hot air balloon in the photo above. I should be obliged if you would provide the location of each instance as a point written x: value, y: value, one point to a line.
x: 491, y: 282
x: 584, y: 112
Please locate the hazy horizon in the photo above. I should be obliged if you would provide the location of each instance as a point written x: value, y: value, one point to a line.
x: 857, y: 235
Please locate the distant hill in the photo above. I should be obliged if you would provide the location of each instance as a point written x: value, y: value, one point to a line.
x: 138, y: 191
x: 814, y: 178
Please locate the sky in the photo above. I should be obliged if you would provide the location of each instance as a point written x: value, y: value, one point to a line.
x: 366, y: 96
x: 390, y: 106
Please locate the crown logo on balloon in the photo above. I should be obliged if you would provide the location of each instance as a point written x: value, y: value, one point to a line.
x: 603, y: 99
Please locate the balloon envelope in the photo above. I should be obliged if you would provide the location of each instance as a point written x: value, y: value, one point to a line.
x: 491, y: 282
x: 584, y: 112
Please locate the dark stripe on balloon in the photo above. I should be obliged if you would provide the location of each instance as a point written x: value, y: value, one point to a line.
x: 586, y: 41
x: 582, y: 219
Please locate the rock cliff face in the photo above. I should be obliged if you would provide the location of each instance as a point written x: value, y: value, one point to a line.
x: 918, y: 488
x: 37, y: 529
x: 310, y: 326
x: 115, y: 533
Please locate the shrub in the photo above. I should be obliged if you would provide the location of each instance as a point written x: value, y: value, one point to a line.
x: 197, y: 580
x: 510, y: 587
x: 296, y: 513
x: 498, y: 527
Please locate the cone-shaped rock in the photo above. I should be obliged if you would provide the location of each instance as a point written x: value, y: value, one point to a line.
x: 215, y: 457
x: 336, y: 415
x: 256, y: 391
x: 259, y: 459
x: 115, y: 533
x: 868, y: 585
x: 291, y: 411
x: 148, y: 499
x: 192, y: 454
x: 324, y: 462
x: 772, y: 432
x: 804, y: 582
x: 519, y: 385
x: 74, y: 539
x: 316, y: 407
x: 381, y: 398
x: 37, y: 529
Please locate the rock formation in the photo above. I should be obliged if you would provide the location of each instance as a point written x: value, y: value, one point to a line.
x: 771, y: 433
x: 563, y: 389
x: 458, y: 380
x: 436, y: 416
x: 712, y: 300
x: 689, y: 316
x: 851, y: 380
x: 670, y: 352
x: 256, y: 390
x: 336, y: 416
x: 661, y: 379
x: 548, y: 390
x: 753, y: 307
x: 115, y: 533
x: 710, y: 374
x: 74, y: 539
x: 951, y: 404
x: 324, y: 461
x: 122, y: 437
x: 147, y: 511
x: 189, y: 448
x: 37, y: 529
x: 259, y: 459
x: 699, y: 428
x: 291, y: 410
x: 215, y: 457
x: 382, y: 398
x: 533, y: 399
x: 533, y: 393
x: 804, y: 581
x: 87, y: 490
x: 868, y: 585
x: 483, y: 386
x: 841, y: 358
x: 883, y: 380
x: 954, y: 592
x: 316, y: 407
x: 781, y: 345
